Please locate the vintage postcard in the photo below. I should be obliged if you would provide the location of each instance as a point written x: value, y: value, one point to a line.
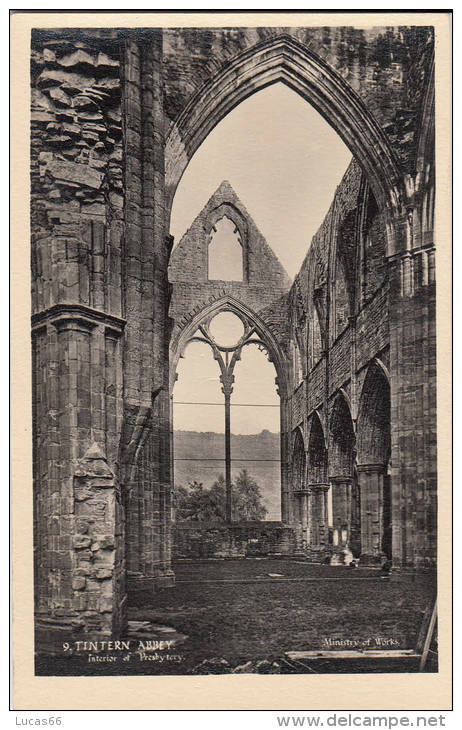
x: 231, y: 410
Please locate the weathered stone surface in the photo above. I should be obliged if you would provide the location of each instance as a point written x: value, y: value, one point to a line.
x: 264, y: 278
x: 41, y: 117
x: 81, y: 541
x: 103, y: 573
x: 78, y: 583
x: 78, y: 58
x: 354, y: 332
x: 200, y: 540
x: 74, y: 172
x: 106, y: 541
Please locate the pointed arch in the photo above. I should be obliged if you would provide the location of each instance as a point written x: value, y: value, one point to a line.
x: 341, y: 297
x: 343, y: 264
x: 373, y: 430
x: 317, y: 452
x: 285, y: 60
x: 230, y: 211
x: 298, y: 461
x: 225, y: 254
x: 315, y: 335
x: 228, y: 303
x: 342, y: 438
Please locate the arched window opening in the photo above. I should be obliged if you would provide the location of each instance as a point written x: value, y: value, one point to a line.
x: 298, y: 463
x: 317, y: 454
x: 196, y: 385
x: 374, y: 250
x: 342, y: 302
x: 374, y: 418
x: 342, y: 440
x: 199, y: 440
x: 300, y: 510
x: 315, y: 338
x: 341, y: 456
x: 226, y: 411
x: 344, y: 289
x: 225, y: 253
x: 265, y: 182
x: 321, y: 500
x: 297, y: 364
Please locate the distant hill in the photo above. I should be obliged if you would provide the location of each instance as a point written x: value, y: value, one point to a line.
x: 261, y: 452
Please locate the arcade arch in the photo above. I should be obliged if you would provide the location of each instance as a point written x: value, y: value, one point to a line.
x: 342, y: 475
x: 320, y: 496
x: 374, y: 446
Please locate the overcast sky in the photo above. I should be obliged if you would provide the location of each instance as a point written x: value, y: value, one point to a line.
x: 198, y: 382
x: 284, y: 162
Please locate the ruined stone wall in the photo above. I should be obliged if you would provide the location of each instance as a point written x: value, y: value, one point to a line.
x: 354, y: 231
x: 264, y: 277
x: 99, y: 254
x: 262, y: 296
x: 76, y: 257
x: 335, y: 370
x: 386, y: 67
x: 214, y: 540
x: 76, y: 172
x: 352, y: 236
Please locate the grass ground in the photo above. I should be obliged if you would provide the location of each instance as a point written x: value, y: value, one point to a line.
x: 242, y: 621
x: 234, y: 611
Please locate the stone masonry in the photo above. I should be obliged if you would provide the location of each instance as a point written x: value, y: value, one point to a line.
x: 116, y: 115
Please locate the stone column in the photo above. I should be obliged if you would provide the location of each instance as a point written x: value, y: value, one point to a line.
x: 145, y: 452
x: 227, y: 380
x: 296, y: 520
x: 413, y: 403
x: 341, y: 507
x: 80, y: 567
x: 304, y: 506
x: 301, y: 495
x: 286, y: 495
x: 370, y: 478
x: 229, y: 503
x: 319, y: 513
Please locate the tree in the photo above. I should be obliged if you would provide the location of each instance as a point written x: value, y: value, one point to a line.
x: 197, y: 504
x: 246, y: 499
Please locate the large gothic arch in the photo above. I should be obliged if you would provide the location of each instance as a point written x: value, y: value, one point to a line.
x: 255, y: 332
x: 282, y: 59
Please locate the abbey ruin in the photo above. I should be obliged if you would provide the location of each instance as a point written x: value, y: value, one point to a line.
x: 116, y: 117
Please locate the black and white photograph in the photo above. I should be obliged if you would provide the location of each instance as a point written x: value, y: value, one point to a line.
x: 234, y: 271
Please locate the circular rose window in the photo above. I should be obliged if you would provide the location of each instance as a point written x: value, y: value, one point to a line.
x: 226, y: 329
